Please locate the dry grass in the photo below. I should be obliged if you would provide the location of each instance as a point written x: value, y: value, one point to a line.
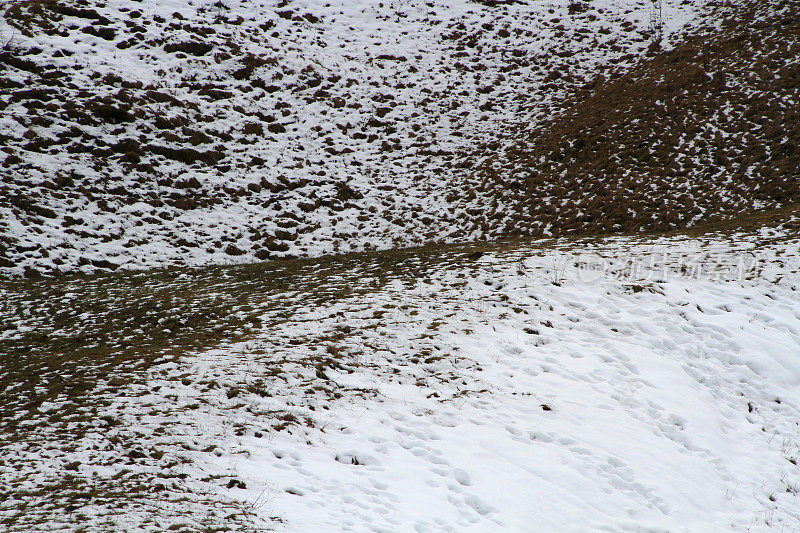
x: 80, y: 341
x: 705, y: 131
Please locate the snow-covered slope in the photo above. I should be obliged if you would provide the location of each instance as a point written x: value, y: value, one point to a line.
x: 143, y: 133
x: 618, y: 385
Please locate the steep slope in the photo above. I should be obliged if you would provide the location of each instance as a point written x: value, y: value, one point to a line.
x: 143, y: 133
x: 710, y: 129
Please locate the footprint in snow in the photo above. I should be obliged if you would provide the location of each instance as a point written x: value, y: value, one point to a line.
x: 462, y: 477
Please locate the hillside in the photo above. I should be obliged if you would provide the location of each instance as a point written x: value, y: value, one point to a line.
x: 149, y: 133
x: 619, y: 384
x: 452, y: 265
x: 707, y: 130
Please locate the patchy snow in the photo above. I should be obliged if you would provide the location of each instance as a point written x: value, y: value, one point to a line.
x: 284, y: 102
x: 613, y: 385
x: 673, y: 407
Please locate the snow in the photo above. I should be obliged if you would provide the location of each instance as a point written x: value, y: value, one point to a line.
x: 462, y: 83
x: 624, y: 384
x: 619, y: 384
x: 647, y: 427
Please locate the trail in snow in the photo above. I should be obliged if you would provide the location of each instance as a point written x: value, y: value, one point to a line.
x: 518, y: 390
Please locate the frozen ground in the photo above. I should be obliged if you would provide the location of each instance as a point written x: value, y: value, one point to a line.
x: 151, y: 133
x: 623, y: 384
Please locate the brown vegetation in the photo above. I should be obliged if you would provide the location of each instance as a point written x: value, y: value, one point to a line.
x: 709, y: 129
